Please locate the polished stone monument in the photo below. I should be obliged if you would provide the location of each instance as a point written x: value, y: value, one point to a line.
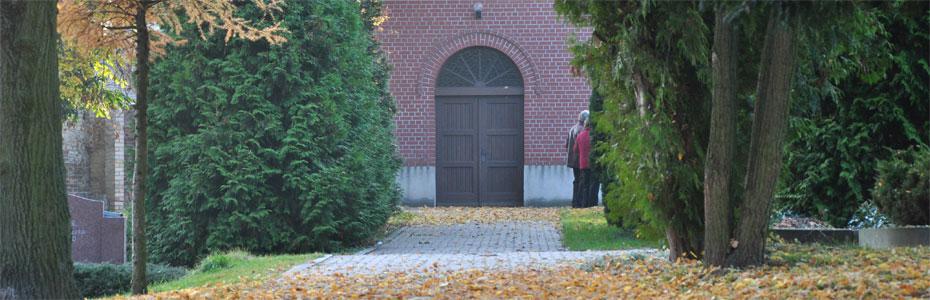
x: 97, y: 236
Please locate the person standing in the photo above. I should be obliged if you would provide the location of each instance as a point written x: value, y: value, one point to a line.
x: 572, y: 160
x: 583, y: 148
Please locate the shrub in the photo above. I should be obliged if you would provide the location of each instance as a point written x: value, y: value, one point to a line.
x: 272, y: 148
x: 221, y: 261
x: 96, y: 280
x: 214, y: 262
x: 902, y: 188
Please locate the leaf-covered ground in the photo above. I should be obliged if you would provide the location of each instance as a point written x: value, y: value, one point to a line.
x: 465, y: 215
x: 794, y: 272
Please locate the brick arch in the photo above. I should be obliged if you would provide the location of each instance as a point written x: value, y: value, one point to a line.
x: 446, y: 48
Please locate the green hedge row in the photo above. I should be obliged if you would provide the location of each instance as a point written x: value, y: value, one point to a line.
x: 97, y: 280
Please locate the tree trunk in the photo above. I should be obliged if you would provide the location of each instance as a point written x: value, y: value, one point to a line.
x: 770, y: 122
x: 139, y: 254
x: 717, y: 213
x: 35, y: 233
x: 681, y: 245
x: 675, y: 247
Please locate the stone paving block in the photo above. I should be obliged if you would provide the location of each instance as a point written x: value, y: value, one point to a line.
x: 473, y: 238
x: 497, y: 246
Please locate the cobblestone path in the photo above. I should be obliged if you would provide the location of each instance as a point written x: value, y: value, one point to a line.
x: 510, y: 245
x: 473, y: 239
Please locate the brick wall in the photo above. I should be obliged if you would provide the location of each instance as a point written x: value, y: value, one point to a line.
x: 93, y: 151
x: 419, y: 35
x: 73, y: 135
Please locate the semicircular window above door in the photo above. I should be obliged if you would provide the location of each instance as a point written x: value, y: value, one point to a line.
x: 479, y: 130
x: 479, y: 67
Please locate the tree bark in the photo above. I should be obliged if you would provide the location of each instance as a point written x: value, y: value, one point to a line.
x: 717, y: 212
x: 35, y: 233
x: 680, y: 245
x: 139, y: 254
x: 770, y: 122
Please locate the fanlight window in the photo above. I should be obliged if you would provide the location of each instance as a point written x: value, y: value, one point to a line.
x: 479, y: 67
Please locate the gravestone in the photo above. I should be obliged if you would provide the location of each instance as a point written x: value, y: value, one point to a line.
x: 97, y: 236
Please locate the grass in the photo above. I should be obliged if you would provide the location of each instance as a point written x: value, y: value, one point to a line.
x: 234, y: 267
x: 586, y: 229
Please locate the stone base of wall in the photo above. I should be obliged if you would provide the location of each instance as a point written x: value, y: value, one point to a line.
x: 886, y: 238
x: 418, y: 185
x: 543, y: 185
x: 547, y: 185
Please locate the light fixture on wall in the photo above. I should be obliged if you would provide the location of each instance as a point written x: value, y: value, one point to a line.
x: 477, y: 7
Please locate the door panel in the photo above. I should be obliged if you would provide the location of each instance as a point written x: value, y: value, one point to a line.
x: 479, y: 155
x: 457, y: 151
x: 500, y: 136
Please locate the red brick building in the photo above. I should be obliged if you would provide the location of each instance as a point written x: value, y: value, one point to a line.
x: 484, y: 100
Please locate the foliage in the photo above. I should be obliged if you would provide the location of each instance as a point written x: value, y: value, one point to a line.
x: 92, y: 25
x: 220, y: 261
x: 92, y: 80
x: 855, y: 110
x: 902, y: 187
x: 587, y: 229
x: 796, y: 272
x: 276, y: 148
x: 868, y: 216
x: 96, y: 280
x: 127, y: 27
x: 237, y: 267
x: 654, y: 149
x: 651, y: 62
x: 596, y: 106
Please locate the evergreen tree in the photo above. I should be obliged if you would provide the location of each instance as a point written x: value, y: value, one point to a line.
x: 683, y: 82
x: 125, y: 27
x: 857, y: 111
x: 272, y: 148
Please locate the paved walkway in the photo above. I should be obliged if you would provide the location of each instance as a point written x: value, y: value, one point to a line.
x: 461, y: 247
x: 473, y: 239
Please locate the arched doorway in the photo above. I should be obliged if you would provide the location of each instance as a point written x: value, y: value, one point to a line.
x: 479, y: 130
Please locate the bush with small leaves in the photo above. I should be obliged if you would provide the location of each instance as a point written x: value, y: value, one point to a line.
x: 902, y: 188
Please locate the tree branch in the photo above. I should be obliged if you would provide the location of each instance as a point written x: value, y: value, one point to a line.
x: 118, y: 12
x: 119, y: 27
x: 151, y: 3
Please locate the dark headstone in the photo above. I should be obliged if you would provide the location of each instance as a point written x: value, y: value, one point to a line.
x: 818, y: 235
x: 96, y: 236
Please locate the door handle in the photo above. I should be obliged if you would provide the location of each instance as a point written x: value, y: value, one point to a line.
x: 484, y: 155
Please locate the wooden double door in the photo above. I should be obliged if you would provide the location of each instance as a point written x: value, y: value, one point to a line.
x: 479, y: 150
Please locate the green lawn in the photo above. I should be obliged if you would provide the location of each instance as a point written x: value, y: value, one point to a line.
x: 233, y: 267
x: 586, y: 229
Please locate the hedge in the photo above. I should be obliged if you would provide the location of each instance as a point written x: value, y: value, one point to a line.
x: 272, y: 148
x: 97, y: 280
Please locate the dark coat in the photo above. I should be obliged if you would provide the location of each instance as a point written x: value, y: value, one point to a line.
x: 572, y: 160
